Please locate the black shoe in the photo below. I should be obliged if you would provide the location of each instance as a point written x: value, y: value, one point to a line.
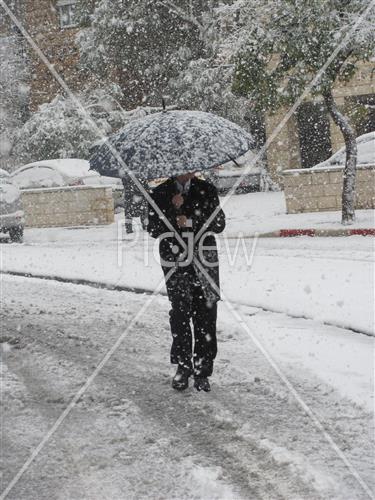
x: 202, y: 384
x: 180, y: 381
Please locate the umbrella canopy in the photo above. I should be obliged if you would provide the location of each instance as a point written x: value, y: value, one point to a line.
x: 171, y: 143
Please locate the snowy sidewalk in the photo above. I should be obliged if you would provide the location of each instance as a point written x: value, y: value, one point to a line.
x: 266, y: 212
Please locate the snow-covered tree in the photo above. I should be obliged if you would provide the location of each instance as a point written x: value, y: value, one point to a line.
x: 206, y: 83
x: 140, y: 44
x: 284, y: 43
x: 58, y: 130
x: 14, y: 92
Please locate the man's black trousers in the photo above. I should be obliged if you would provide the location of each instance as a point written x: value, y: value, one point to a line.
x: 190, y: 306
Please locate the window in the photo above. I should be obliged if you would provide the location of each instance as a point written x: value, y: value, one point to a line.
x: 314, y: 134
x: 66, y: 12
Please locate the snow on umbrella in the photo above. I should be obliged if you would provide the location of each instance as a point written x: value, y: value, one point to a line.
x: 171, y: 143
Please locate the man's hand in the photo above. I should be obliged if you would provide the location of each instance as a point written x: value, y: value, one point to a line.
x: 183, y: 221
x: 178, y: 200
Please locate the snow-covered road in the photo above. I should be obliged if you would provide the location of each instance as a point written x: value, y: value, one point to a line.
x: 131, y: 436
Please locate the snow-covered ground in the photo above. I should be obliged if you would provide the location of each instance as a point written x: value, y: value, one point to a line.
x: 131, y: 436
x: 266, y: 212
x: 249, y: 438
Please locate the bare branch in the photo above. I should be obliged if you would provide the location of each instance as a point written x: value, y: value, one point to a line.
x: 186, y: 16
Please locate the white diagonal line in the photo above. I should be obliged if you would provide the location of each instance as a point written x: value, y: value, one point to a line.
x: 82, y: 111
x: 80, y: 393
x: 305, y: 407
x: 284, y: 121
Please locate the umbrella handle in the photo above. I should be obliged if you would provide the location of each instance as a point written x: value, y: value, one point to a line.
x: 234, y: 161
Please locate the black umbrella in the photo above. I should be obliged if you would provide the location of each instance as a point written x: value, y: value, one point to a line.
x: 170, y: 143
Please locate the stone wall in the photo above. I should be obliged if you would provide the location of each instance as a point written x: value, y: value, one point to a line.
x: 66, y: 207
x: 320, y: 190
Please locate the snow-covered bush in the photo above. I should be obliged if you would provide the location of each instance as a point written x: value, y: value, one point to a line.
x: 56, y: 130
x: 59, y: 130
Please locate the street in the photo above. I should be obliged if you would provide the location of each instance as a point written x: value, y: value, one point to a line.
x: 130, y: 436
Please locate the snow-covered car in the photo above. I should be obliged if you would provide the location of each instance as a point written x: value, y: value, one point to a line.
x: 11, y: 212
x: 366, y: 153
x: 59, y: 173
x: 225, y: 176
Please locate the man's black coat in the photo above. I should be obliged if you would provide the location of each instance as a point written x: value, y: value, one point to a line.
x: 199, y: 203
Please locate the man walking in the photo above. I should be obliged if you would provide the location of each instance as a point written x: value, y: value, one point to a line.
x: 134, y: 203
x: 187, y: 202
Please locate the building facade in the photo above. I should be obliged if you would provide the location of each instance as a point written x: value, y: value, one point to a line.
x: 51, y: 24
x: 310, y: 136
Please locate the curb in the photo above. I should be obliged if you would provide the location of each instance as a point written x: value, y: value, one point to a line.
x: 289, y: 233
x: 144, y: 291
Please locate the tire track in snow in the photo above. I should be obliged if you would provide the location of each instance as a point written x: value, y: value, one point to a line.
x: 205, y: 438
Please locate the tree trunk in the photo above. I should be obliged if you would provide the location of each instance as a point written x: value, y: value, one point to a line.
x: 350, y: 171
